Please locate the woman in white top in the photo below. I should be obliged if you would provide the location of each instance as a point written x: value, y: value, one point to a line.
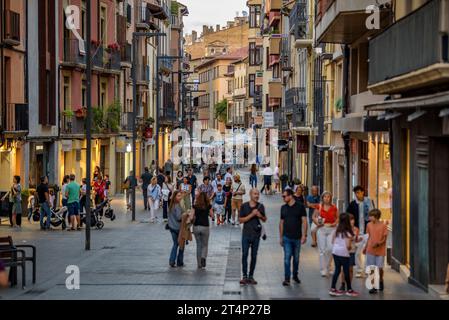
x: 167, y: 190
x: 154, y: 196
x: 342, y: 244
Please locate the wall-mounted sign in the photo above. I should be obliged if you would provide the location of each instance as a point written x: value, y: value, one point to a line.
x: 120, y: 144
x: 66, y: 145
x: 302, y: 144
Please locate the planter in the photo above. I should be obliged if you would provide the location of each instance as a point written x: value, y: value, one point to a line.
x: 81, y: 113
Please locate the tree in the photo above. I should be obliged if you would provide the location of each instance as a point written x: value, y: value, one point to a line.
x: 221, y: 111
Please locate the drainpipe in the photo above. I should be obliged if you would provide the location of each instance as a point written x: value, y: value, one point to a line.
x: 345, y: 135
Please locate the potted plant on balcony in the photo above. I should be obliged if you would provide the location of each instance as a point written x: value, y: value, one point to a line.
x: 149, y: 122
x: 97, y: 119
x: 81, y: 112
x: 339, y: 104
x: 113, y: 47
x: 113, y: 117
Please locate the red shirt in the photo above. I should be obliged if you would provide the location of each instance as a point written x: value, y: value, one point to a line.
x: 330, y: 216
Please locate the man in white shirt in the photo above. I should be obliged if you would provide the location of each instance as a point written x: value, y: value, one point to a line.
x: 228, y: 173
x: 218, y: 180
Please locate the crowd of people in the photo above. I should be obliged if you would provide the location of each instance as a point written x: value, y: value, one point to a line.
x: 43, y: 199
x: 190, y: 209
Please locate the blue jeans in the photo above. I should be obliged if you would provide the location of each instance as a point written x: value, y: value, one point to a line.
x: 45, y: 211
x: 247, y: 243
x: 176, y: 256
x: 292, y: 249
x: 165, y: 209
x: 253, y: 180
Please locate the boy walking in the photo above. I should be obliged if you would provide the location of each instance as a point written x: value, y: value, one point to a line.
x: 376, y: 247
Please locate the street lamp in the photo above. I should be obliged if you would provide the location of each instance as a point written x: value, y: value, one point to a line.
x: 135, y: 37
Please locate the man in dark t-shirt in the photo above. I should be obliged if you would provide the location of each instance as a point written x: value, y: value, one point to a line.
x: 145, y: 178
x: 44, y: 203
x: 293, y: 233
x: 252, y: 214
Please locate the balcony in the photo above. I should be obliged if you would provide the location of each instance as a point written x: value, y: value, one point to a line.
x: 344, y: 21
x: 126, y: 121
x: 274, y: 59
x: 74, y: 53
x: 175, y: 22
x: 17, y: 117
x: 411, y: 54
x: 158, y: 9
x: 274, y: 18
x: 301, y: 25
x: 275, y: 43
x: 258, y: 100
x: 12, y: 28
x: 71, y: 125
x: 107, y: 59
x: 145, y: 19
x: 168, y: 115
x: 166, y: 65
x: 275, y: 88
x: 273, y: 5
x: 295, y: 99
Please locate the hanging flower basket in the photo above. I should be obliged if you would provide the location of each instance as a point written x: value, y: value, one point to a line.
x: 114, y: 47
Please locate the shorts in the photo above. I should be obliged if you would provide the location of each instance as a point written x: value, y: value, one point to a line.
x: 73, y: 209
x: 236, y: 204
x: 378, y: 261
x: 352, y: 259
x: 219, y: 209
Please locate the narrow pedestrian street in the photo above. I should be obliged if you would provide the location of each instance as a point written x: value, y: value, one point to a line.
x: 130, y: 261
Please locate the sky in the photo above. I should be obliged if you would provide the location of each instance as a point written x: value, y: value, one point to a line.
x: 211, y: 12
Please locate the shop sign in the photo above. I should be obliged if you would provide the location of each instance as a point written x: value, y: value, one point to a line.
x: 302, y: 144
x: 67, y: 145
x: 120, y: 144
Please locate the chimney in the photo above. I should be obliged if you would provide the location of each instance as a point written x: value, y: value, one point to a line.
x: 205, y: 30
x: 194, y: 36
x: 217, y: 28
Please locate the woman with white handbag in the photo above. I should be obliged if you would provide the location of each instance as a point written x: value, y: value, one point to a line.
x: 154, y: 197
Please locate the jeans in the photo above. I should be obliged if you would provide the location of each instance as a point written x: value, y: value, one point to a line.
x: 339, y: 263
x: 253, y: 180
x: 154, y: 206
x: 247, y: 243
x: 202, y: 242
x: 30, y: 213
x: 82, y: 204
x: 176, y: 256
x: 292, y: 249
x: 45, y: 211
x: 64, y: 202
x: 145, y: 196
x: 193, y: 196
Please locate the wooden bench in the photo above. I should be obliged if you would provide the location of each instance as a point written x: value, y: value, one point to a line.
x: 15, y: 256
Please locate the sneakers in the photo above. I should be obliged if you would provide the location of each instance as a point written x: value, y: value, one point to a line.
x: 252, y: 281
x: 244, y: 282
x: 286, y: 283
x: 373, y: 291
x: 343, y: 287
x: 352, y: 293
x: 203, y: 262
x: 336, y: 293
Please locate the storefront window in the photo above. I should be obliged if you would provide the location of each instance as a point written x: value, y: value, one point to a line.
x: 385, y: 190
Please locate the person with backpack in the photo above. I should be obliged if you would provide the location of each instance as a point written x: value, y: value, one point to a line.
x: 360, y: 208
x: 219, y: 204
x: 342, y: 239
x: 154, y: 196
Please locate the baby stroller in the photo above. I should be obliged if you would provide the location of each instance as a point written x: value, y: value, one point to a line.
x: 57, y: 217
x: 96, y: 215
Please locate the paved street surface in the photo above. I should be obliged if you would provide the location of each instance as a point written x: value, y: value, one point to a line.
x: 129, y: 260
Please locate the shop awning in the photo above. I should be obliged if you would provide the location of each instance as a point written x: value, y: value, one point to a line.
x: 436, y: 100
x: 360, y: 124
